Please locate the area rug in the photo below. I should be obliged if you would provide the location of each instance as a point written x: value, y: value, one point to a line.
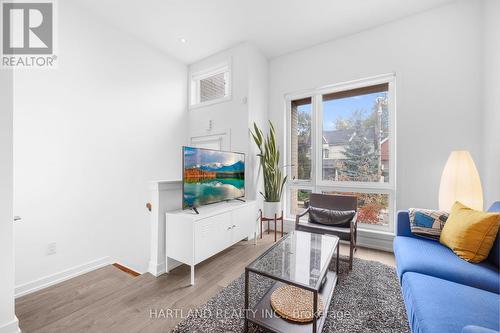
x: 366, y: 299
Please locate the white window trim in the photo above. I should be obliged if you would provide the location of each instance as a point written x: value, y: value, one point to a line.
x: 194, y: 84
x: 317, y: 184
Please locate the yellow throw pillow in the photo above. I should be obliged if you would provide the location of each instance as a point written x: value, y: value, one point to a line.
x: 470, y: 233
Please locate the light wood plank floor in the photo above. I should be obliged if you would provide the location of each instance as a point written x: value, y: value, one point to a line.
x: 109, y: 300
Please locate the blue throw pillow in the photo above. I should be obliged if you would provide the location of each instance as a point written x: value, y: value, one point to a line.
x: 426, y: 222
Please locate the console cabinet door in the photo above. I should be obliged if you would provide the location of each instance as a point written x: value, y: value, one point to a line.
x: 243, y: 223
x: 211, y: 235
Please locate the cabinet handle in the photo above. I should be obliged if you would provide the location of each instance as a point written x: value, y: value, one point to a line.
x: 234, y: 226
x: 229, y: 228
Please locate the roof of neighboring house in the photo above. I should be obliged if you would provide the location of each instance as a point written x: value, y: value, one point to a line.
x: 338, y: 137
x: 343, y: 136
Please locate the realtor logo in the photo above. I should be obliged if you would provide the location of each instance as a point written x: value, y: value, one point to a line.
x: 28, y: 34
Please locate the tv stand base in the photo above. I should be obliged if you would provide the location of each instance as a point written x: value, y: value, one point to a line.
x: 239, y: 199
x: 191, y: 238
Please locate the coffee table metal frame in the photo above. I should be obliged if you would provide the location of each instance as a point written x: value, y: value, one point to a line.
x: 287, y: 326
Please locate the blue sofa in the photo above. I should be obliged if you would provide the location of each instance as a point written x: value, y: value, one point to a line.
x: 443, y: 293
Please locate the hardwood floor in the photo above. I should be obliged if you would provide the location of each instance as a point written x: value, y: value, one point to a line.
x: 110, y: 300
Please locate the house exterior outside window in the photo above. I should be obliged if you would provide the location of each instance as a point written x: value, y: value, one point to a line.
x: 340, y: 140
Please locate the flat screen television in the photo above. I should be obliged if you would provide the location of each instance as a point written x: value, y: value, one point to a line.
x: 210, y: 176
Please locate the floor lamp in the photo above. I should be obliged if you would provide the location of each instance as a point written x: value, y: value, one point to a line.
x: 460, y: 182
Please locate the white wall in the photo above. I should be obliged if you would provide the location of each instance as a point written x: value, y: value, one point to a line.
x: 89, y: 136
x: 436, y: 56
x: 258, y: 87
x: 8, y: 320
x: 229, y: 114
x: 248, y: 103
x: 491, y: 95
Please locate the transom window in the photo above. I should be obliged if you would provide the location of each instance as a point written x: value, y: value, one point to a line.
x: 341, y: 141
x: 211, y: 86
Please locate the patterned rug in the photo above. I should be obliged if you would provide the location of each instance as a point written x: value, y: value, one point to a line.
x: 366, y: 299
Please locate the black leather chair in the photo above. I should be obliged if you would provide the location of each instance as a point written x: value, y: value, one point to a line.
x: 347, y: 231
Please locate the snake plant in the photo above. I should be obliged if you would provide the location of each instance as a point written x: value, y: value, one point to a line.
x: 274, y: 180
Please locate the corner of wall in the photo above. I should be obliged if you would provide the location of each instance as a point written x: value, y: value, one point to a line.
x: 11, y: 327
x: 490, y: 163
x: 8, y: 320
x: 248, y: 103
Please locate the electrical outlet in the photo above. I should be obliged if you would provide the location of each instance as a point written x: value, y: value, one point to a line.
x: 51, y: 249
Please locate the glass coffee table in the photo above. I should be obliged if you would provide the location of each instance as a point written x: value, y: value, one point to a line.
x: 300, y: 259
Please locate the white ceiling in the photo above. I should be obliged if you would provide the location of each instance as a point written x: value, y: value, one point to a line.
x: 275, y: 26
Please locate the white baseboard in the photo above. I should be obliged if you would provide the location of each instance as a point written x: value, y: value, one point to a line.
x: 374, y: 240
x: 159, y: 269
x: 156, y: 269
x: 47, y: 281
x: 11, y: 327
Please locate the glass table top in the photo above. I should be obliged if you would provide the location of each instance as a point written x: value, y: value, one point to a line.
x: 300, y: 257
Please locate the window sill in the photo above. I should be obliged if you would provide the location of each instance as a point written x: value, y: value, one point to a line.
x: 369, y: 238
x: 377, y: 233
x: 212, y: 102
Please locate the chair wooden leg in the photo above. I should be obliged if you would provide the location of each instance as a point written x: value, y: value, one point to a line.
x: 352, y: 243
x: 351, y: 254
x: 355, y: 239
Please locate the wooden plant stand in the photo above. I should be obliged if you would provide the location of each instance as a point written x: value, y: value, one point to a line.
x: 269, y: 219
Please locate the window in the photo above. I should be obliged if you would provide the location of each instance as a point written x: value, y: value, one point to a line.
x: 355, y: 125
x: 301, y: 111
x: 298, y: 200
x: 211, y: 86
x: 341, y: 140
x: 373, y: 208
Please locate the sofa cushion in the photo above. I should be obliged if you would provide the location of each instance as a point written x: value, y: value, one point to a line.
x: 429, y: 257
x: 436, y: 305
x: 470, y: 233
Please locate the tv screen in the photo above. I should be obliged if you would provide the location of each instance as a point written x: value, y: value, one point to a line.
x: 211, y: 176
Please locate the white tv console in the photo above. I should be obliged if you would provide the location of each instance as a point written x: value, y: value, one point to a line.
x: 192, y: 238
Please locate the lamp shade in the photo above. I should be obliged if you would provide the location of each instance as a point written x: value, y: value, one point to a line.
x: 460, y: 182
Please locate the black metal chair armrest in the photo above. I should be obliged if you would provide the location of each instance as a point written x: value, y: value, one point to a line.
x: 354, y: 224
x: 354, y: 220
x: 297, y: 218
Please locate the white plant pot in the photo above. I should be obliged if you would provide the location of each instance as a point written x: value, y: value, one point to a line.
x: 272, y: 208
